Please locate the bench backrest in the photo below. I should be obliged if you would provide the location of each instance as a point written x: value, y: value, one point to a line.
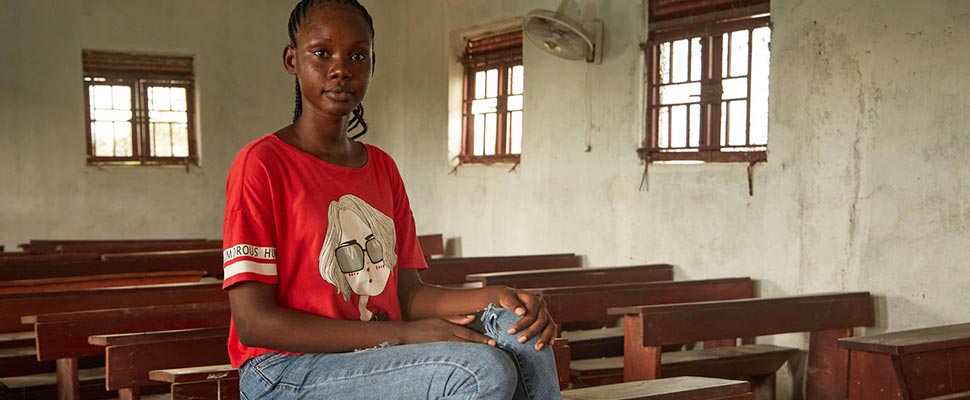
x: 98, y: 281
x: 432, y: 245
x: 208, y: 260
x: 576, y: 276
x: 694, y: 322
x: 15, y: 259
x: 591, y: 303
x: 452, y: 271
x: 17, y: 305
x: 116, y: 246
x: 65, y: 335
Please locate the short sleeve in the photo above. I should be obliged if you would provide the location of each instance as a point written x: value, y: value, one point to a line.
x: 249, y: 229
x: 409, y: 254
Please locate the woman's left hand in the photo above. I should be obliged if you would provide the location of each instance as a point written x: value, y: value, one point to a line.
x: 535, y: 316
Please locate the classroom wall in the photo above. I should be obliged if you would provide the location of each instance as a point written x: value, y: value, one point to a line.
x: 866, y: 186
x: 48, y: 191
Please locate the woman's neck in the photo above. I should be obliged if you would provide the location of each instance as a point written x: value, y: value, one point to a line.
x: 324, y: 138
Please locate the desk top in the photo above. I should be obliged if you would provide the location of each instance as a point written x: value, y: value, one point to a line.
x: 911, y: 341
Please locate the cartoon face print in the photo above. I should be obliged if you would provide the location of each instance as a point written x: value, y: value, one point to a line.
x: 358, y: 252
x: 360, y: 256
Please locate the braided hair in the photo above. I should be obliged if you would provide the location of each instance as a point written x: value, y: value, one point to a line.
x: 296, y: 19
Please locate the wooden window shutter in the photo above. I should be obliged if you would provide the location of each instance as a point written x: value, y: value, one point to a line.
x: 107, y: 62
x: 665, y: 10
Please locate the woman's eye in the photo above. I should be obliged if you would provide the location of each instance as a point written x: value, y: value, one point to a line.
x: 359, y: 56
x: 321, y: 53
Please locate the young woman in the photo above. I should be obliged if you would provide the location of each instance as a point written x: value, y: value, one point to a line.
x: 321, y: 256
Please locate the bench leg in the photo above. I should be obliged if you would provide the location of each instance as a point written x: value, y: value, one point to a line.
x: 67, y: 381
x: 129, y: 393
x: 763, y: 387
x: 639, y: 362
x: 828, y: 366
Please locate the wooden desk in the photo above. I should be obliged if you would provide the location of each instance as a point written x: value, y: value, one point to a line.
x: 910, y: 365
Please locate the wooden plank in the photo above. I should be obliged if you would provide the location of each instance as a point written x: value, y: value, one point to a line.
x: 677, y: 323
x: 64, y: 335
x: 576, y: 276
x: 117, y: 246
x: 130, y: 358
x: 954, y: 396
x: 15, y: 259
x: 194, y: 374
x: 578, y: 304
x: 452, y: 271
x: 98, y: 281
x: 210, y: 261
x: 17, y: 305
x: 680, y: 388
x: 911, y: 341
x: 432, y: 245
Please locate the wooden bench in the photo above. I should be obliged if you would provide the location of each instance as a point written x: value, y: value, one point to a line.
x: 582, y: 311
x: 680, y: 388
x: 827, y: 317
x: 98, y: 281
x: 576, y: 276
x: 20, y: 357
x: 911, y: 364
x: 432, y: 245
x: 452, y: 271
x: 130, y: 357
x: 117, y: 246
x: 21, y: 258
x: 208, y: 260
x: 64, y: 336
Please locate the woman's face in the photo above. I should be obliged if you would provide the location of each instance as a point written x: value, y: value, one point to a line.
x: 333, y: 59
x: 360, y: 256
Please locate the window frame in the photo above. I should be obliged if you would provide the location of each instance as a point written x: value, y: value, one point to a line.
x: 139, y: 72
x: 502, y: 51
x: 710, y: 29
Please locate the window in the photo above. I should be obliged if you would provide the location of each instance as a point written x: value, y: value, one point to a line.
x: 492, y: 98
x: 707, y: 86
x: 139, y: 109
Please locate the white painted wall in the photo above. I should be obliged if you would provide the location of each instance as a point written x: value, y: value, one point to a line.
x: 48, y: 191
x: 866, y: 186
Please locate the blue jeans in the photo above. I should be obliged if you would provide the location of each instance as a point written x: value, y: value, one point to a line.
x: 440, y: 370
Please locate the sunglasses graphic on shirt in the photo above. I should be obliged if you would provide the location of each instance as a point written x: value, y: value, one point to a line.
x: 350, y: 255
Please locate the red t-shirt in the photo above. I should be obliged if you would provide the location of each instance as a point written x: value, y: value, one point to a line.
x: 330, y: 237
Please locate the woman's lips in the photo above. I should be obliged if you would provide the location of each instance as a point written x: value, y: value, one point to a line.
x: 339, y: 94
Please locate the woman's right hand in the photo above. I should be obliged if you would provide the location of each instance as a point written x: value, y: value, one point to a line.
x: 443, y: 329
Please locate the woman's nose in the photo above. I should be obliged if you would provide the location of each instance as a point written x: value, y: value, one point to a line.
x: 339, y: 70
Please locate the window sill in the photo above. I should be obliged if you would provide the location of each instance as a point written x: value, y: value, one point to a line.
x: 703, y: 156
x: 489, y: 160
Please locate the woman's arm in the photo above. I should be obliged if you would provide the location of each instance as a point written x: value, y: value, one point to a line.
x: 261, y: 322
x: 420, y: 300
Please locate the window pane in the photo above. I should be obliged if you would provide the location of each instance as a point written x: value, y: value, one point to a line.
x: 491, y: 133
x: 161, y: 143
x: 678, y: 119
x: 103, y: 139
x: 739, y: 123
x: 484, y: 106
x: 518, y: 84
x: 121, y: 97
x: 725, y: 50
x: 122, y: 139
x: 178, y: 99
x: 663, y: 128
x: 168, y: 116
x: 101, y: 97
x: 680, y: 67
x: 111, y: 115
x: 480, y: 85
x: 479, y: 148
x: 515, y: 132
x: 515, y: 103
x: 679, y: 94
x: 491, y: 83
x: 180, y: 140
x: 158, y: 98
x: 696, y: 62
x: 736, y: 88
x: 725, y: 109
x: 760, y: 65
x: 665, y: 62
x: 739, y: 53
x: 695, y: 126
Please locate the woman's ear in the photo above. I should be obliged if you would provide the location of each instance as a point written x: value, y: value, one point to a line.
x: 289, y: 59
x: 373, y: 62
